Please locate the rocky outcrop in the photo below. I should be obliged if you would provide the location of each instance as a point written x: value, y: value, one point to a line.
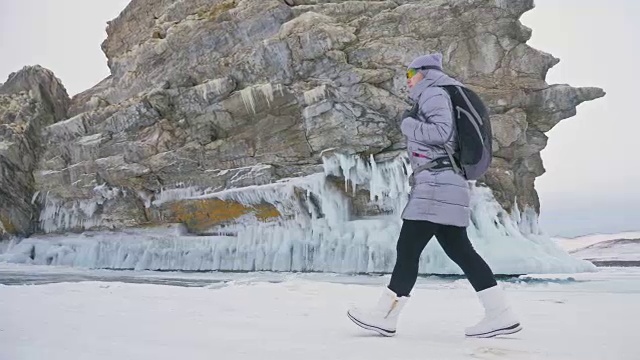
x: 30, y: 100
x: 220, y: 94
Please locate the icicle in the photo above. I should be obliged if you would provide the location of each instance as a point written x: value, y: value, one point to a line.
x: 346, y: 163
x: 178, y: 193
x: 248, y: 99
x: 58, y: 215
x: 267, y: 91
x: 216, y: 86
x: 314, y: 95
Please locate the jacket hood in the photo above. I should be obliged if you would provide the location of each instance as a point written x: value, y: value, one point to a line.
x: 432, y: 78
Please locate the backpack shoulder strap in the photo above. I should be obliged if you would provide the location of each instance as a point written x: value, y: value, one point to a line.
x: 449, y: 89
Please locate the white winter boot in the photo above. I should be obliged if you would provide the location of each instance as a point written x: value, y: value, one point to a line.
x: 383, y: 318
x: 499, y: 319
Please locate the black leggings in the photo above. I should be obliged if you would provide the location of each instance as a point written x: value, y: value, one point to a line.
x: 415, y: 235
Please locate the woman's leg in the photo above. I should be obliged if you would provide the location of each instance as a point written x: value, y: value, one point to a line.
x: 455, y: 243
x: 499, y: 319
x: 414, y: 236
x: 383, y: 317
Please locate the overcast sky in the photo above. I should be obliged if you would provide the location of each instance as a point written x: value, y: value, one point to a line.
x: 592, y: 160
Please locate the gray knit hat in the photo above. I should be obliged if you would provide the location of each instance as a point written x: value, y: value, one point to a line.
x: 433, y: 61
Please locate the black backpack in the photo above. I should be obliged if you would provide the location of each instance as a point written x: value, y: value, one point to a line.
x: 473, y: 125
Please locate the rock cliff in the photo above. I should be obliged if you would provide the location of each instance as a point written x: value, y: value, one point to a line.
x: 211, y: 95
x: 30, y: 100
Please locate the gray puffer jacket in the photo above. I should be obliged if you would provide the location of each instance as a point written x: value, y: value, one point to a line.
x: 440, y: 196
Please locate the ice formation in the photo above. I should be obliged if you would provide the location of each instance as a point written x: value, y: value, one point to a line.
x: 320, y: 235
x: 214, y: 86
x: 57, y: 215
x: 266, y: 90
x: 314, y: 95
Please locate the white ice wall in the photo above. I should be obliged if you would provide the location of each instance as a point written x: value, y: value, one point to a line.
x: 328, y: 239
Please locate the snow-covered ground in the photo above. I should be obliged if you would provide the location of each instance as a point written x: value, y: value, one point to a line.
x: 621, y: 250
x: 279, y: 316
x: 571, y: 244
x: 605, y: 249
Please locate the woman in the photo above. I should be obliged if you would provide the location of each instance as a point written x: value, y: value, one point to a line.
x: 438, y: 205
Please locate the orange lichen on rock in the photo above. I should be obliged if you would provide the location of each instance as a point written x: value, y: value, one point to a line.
x: 202, y: 214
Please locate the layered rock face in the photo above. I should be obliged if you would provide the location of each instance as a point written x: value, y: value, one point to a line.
x: 30, y: 100
x: 219, y: 94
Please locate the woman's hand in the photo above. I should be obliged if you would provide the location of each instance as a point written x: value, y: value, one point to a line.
x: 412, y: 112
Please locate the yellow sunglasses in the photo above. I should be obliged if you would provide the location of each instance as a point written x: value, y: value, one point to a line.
x: 411, y: 73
